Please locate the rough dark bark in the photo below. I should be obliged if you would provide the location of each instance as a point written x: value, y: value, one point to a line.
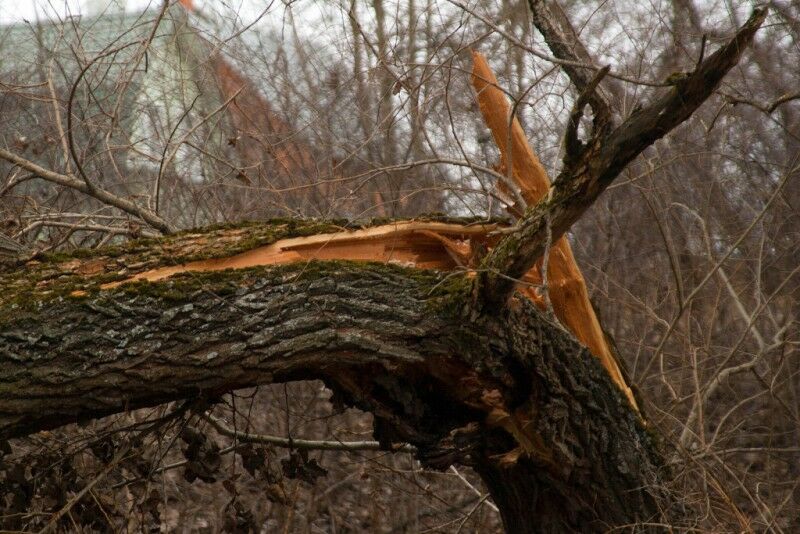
x: 512, y: 395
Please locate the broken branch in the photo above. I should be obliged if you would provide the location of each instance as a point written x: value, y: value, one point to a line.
x: 578, y: 186
x: 566, y: 286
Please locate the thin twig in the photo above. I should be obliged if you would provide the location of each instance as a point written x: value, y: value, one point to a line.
x: 713, y: 271
x: 118, y: 457
x: 294, y: 443
x: 93, y: 191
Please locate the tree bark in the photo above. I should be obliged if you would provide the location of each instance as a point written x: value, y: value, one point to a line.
x: 512, y: 395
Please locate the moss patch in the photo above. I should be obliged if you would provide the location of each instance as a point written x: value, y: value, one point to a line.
x: 60, y: 274
x: 80, y: 273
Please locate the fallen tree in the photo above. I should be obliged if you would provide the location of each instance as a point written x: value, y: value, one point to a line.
x: 428, y: 336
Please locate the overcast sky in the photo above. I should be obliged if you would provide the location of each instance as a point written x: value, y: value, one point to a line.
x: 12, y: 11
x: 17, y: 10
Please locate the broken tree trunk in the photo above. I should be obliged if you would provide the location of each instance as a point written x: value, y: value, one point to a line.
x: 511, y: 395
x: 566, y: 286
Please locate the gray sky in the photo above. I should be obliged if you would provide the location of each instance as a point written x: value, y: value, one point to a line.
x: 16, y: 10
x: 12, y: 11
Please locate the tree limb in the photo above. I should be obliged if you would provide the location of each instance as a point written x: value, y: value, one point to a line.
x: 582, y: 180
x: 552, y: 22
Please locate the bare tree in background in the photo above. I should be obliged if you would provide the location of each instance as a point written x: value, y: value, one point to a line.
x: 122, y: 127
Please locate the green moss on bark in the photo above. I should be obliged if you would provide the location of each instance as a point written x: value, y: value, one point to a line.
x: 80, y: 273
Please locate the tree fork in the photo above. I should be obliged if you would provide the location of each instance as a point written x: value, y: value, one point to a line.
x: 591, y: 170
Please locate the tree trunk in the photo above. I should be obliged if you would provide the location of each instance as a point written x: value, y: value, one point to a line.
x: 512, y: 395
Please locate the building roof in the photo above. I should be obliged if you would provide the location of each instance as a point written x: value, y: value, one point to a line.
x: 183, y: 88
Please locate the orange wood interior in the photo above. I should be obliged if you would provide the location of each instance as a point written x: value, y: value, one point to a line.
x: 446, y: 246
x: 421, y: 244
x: 566, y: 285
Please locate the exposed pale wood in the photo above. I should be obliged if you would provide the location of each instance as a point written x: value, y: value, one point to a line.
x: 566, y: 285
x: 421, y: 244
x: 527, y: 171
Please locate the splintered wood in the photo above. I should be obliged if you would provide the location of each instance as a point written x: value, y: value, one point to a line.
x: 449, y: 246
x: 566, y: 286
x: 420, y: 244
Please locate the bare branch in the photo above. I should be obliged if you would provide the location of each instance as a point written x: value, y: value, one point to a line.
x: 93, y: 191
x: 294, y: 443
x: 767, y: 108
x: 552, y: 22
x: 71, y: 100
x: 586, y: 64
